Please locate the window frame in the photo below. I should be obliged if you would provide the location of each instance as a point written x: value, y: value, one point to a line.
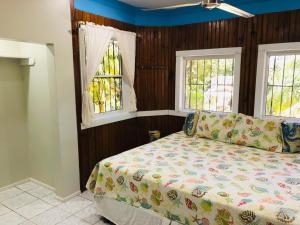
x: 183, y: 56
x: 264, y: 51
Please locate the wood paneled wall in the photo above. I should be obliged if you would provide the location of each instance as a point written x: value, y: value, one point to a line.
x: 157, y: 46
x: 155, y: 74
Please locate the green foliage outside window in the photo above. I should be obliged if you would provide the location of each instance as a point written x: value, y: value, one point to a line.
x: 106, y: 87
x: 209, y: 84
x: 283, y: 88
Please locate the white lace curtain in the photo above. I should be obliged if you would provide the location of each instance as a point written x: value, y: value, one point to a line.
x: 93, y: 43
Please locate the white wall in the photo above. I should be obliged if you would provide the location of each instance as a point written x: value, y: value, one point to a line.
x: 13, y: 129
x: 41, y: 113
x: 44, y: 21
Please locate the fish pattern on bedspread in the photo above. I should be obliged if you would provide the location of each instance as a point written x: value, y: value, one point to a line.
x: 199, y: 181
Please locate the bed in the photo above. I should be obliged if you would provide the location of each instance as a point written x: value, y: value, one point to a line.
x: 193, y: 180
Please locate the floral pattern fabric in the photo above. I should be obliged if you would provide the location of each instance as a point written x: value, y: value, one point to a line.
x: 291, y: 137
x: 216, y: 126
x: 264, y: 134
x: 199, y: 181
x: 190, y: 123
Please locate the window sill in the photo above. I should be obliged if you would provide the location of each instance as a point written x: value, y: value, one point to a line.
x: 108, y: 118
x: 285, y: 119
x: 185, y: 112
x: 113, y: 117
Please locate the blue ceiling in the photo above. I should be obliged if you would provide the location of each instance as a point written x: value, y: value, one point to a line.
x: 119, y: 11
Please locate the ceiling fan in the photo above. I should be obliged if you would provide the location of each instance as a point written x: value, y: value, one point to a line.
x: 209, y: 4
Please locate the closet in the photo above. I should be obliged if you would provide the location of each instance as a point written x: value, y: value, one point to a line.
x: 28, y: 135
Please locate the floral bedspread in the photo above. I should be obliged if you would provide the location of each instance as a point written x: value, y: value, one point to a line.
x: 199, y: 181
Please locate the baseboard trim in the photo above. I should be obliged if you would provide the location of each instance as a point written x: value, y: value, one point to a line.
x: 42, y: 184
x: 27, y: 180
x: 14, y: 184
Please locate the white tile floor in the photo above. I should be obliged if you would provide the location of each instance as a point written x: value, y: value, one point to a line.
x: 32, y: 204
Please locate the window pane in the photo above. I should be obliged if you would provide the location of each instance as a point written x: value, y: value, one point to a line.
x: 269, y: 100
x: 194, y: 75
x: 187, y: 96
x: 106, y: 63
x: 201, y: 71
x: 276, y: 101
x: 286, y: 101
x: 111, y: 59
x: 206, y: 93
x: 118, y: 82
x: 295, y: 109
x: 221, y: 78
x: 214, y: 72
x: 229, y: 71
x: 193, y: 104
x: 117, y: 66
x: 272, y: 63
x: 200, y: 96
x: 207, y: 72
x: 106, y: 88
x: 289, y: 70
x: 220, y: 98
x: 283, y: 86
x: 211, y: 86
x: 213, y: 97
x: 113, y: 94
x: 278, y: 70
x: 188, y: 72
x: 188, y: 83
x: 228, y: 98
x: 297, y: 71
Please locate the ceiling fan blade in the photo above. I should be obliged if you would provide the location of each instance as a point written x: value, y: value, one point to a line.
x: 175, y: 6
x: 234, y: 10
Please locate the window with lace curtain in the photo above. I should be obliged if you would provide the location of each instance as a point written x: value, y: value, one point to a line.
x: 106, y: 87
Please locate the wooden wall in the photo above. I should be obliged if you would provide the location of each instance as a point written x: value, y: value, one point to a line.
x: 157, y: 46
x: 155, y: 74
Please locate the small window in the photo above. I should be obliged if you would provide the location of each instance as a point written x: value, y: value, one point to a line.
x: 209, y: 84
x: 279, y: 93
x: 106, y: 87
x: 210, y: 80
x: 283, y: 88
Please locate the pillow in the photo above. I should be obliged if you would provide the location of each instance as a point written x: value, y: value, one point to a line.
x: 258, y: 133
x: 190, y: 123
x: 291, y: 137
x: 216, y: 126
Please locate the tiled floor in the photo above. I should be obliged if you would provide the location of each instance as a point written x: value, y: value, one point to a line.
x: 32, y: 204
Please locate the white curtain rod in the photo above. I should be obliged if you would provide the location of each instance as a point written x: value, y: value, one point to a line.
x: 83, y: 23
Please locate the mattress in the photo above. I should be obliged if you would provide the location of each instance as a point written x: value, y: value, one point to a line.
x: 192, y: 180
